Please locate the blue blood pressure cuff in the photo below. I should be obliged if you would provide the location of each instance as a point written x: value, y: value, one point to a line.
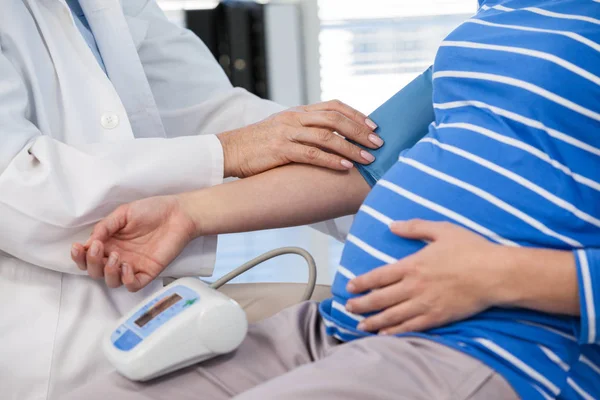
x: 402, y: 121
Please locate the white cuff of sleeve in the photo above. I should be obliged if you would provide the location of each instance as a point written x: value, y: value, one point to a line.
x: 199, y: 256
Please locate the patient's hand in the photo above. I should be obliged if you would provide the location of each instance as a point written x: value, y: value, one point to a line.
x: 454, y: 277
x: 135, y: 243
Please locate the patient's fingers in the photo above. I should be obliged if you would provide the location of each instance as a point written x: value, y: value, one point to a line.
x: 110, y: 225
x: 392, y: 316
x: 95, y: 259
x: 379, y: 299
x: 78, y: 254
x: 112, y: 271
x: 127, y: 276
x: 381, y: 277
x: 134, y: 281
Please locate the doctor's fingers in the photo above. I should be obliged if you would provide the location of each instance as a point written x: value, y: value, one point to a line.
x: 304, y: 154
x: 338, y: 122
x: 342, y: 108
x: 327, y: 140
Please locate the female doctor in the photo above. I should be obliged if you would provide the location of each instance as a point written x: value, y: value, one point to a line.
x: 102, y: 103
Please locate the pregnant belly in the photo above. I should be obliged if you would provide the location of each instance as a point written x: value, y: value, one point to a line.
x: 418, y: 186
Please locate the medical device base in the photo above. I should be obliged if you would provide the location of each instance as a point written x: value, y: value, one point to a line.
x: 184, y: 323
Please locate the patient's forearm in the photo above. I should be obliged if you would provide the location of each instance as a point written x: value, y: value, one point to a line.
x: 538, y: 279
x: 287, y: 196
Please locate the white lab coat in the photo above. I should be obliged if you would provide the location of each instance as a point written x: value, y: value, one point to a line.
x: 74, y: 145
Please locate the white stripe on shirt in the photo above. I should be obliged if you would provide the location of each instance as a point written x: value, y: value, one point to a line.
x: 551, y: 14
x: 345, y: 272
x: 530, y: 87
x: 522, y: 146
x: 376, y: 214
x: 555, y: 358
x: 527, y: 52
x: 555, y: 331
x: 589, y: 363
x: 337, y: 306
x: 338, y: 337
x: 490, y: 198
x: 579, y: 390
x: 571, y: 35
x: 588, y: 295
x: 372, y: 251
x: 517, y: 362
x: 331, y: 324
x: 525, y: 121
x: 544, y: 394
x: 446, y: 212
x: 380, y: 217
x: 526, y: 183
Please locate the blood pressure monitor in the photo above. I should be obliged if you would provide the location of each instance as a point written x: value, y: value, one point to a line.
x: 184, y: 323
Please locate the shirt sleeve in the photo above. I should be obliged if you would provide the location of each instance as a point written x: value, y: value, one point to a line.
x: 588, y: 275
x: 52, y: 193
x: 402, y: 121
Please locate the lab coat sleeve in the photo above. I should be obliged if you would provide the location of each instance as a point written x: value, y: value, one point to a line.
x: 588, y: 275
x: 192, y: 92
x: 51, y: 193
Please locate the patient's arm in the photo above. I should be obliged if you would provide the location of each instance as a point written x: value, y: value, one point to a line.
x: 288, y: 196
x: 134, y: 244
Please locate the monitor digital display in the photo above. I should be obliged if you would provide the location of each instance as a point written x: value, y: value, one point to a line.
x: 157, y: 309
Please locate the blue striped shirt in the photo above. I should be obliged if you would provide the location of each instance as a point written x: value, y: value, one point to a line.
x: 513, y: 155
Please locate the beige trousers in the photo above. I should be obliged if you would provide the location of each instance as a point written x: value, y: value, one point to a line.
x: 289, y: 356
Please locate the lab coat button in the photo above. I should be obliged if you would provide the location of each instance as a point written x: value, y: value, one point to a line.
x: 109, y: 121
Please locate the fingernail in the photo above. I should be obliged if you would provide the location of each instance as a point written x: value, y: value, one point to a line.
x: 94, y: 250
x: 376, y: 140
x: 347, y: 164
x: 371, y: 124
x: 351, y: 287
x: 383, y: 333
x: 74, y: 251
x: 125, y: 268
x: 112, y: 260
x: 362, y: 326
x: 367, y: 156
x: 349, y: 307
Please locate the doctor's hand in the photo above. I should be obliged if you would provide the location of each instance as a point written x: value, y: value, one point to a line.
x: 311, y: 134
x: 135, y: 243
x: 450, y: 279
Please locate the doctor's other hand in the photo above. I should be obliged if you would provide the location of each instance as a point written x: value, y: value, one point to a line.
x: 455, y: 276
x: 314, y: 134
x: 135, y: 243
